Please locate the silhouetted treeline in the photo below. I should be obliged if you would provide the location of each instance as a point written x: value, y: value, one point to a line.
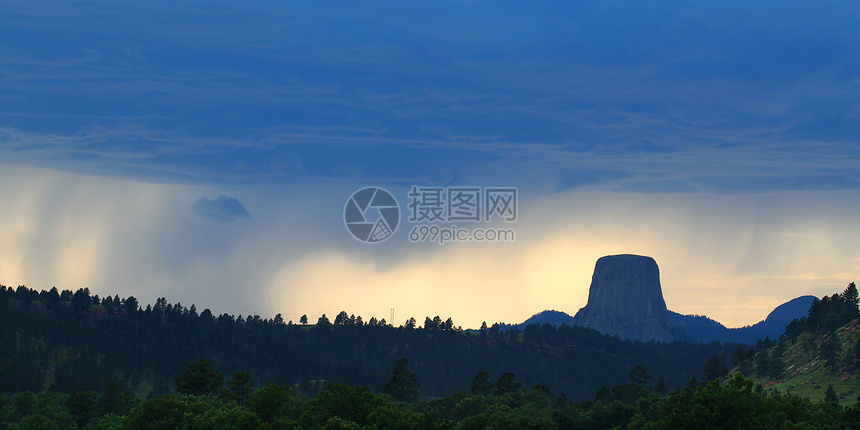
x: 77, y: 342
x: 827, y: 314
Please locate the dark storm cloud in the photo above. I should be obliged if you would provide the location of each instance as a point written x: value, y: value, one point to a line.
x: 657, y: 96
x: 221, y: 209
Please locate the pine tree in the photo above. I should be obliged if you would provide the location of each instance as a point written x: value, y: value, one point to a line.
x: 661, y: 387
x: 775, y: 365
x: 857, y: 353
x: 305, y: 381
x: 199, y: 379
x: 239, y: 388
x: 761, y: 363
x: 159, y: 388
x: 115, y: 400
x: 81, y: 299
x: 403, y: 384
x: 323, y: 322
x: 830, y: 351
x: 850, y: 295
x: 716, y: 368
x: 507, y: 383
x: 482, y: 385
x: 830, y: 396
x: 341, y: 319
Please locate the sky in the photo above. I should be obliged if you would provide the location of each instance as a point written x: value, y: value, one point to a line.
x: 206, y: 151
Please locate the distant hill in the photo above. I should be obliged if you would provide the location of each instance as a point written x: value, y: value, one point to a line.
x: 703, y: 329
x: 785, y: 313
x: 556, y: 318
x: 699, y: 328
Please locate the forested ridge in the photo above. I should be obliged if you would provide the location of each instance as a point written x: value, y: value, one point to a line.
x: 85, y: 361
x: 66, y: 340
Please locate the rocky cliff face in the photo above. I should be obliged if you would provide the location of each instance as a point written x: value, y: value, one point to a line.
x: 626, y: 300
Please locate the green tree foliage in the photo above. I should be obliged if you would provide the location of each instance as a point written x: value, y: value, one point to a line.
x: 115, y: 400
x: 24, y: 404
x: 742, y: 353
x: 735, y: 404
x: 205, y: 413
x: 629, y: 393
x: 201, y: 378
x: 163, y: 413
x: 387, y: 416
x: 482, y: 385
x: 159, y: 388
x: 503, y: 418
x: 81, y: 299
x: 507, y: 383
x: 762, y: 360
x: 107, y: 422
x: 857, y: 354
x: 349, y: 404
x: 38, y: 422
x: 323, y: 322
x: 661, y: 387
x: 277, y: 404
x: 82, y: 406
x: 130, y: 305
x: 342, y: 318
x: 716, y: 368
x: 189, y: 412
x: 775, y: 365
x: 239, y: 388
x: 827, y: 314
x: 830, y: 395
x: 638, y: 376
x: 830, y: 350
x: 403, y: 385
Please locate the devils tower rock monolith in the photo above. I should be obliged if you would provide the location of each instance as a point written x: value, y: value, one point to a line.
x: 625, y: 299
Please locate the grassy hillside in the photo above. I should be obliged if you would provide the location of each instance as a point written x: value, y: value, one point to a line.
x: 806, y: 371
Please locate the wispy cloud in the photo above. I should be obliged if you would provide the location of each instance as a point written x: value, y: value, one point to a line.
x: 221, y: 209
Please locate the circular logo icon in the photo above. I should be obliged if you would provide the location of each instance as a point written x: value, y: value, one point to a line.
x: 371, y: 215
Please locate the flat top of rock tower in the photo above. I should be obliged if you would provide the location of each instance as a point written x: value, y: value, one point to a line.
x: 625, y: 256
